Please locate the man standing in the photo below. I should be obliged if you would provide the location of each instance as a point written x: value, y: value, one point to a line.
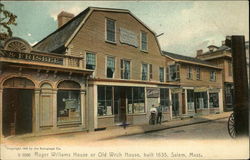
x: 159, y: 115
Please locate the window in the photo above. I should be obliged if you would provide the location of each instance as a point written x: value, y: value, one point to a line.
x: 136, y: 100
x: 110, y: 67
x: 190, y: 99
x: 201, y: 100
x: 213, y: 100
x: 173, y: 72
x: 161, y: 74
x: 212, y: 76
x: 90, y: 61
x: 110, y: 30
x: 189, y: 72
x: 198, y: 73
x: 228, y: 94
x: 230, y: 69
x: 144, y: 72
x: 105, y: 100
x: 144, y: 41
x: 164, y: 98
x: 68, y: 102
x: 125, y: 69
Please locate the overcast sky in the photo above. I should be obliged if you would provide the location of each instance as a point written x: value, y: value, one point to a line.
x: 187, y: 25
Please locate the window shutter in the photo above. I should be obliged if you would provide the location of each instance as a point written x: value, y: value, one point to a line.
x: 167, y: 73
x: 121, y: 68
x: 177, y: 72
x: 150, y: 71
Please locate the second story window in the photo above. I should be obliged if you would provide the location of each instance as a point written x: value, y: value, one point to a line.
x: 189, y: 72
x: 125, y: 69
x: 144, y: 74
x: 173, y: 72
x: 90, y: 61
x: 144, y: 41
x: 161, y: 74
x: 198, y: 73
x: 110, y: 30
x: 110, y: 67
x: 212, y: 76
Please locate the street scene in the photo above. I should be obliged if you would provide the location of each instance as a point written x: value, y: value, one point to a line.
x: 124, y: 80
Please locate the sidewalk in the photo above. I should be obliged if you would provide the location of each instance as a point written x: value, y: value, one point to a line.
x: 112, y: 132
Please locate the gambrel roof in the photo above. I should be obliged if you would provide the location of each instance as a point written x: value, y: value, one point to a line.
x: 60, y: 39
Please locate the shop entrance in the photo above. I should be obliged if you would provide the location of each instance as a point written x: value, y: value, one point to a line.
x: 175, y: 104
x: 17, y: 111
x: 120, y: 104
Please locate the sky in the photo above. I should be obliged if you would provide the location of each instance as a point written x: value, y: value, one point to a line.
x: 187, y: 25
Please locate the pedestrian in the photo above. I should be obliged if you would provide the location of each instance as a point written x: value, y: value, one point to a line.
x: 153, y: 115
x: 159, y: 114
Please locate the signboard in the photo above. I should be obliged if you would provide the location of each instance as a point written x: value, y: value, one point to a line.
x: 128, y: 37
x: 200, y: 89
x: 31, y: 57
x: 214, y: 90
x: 153, y: 92
x: 176, y: 90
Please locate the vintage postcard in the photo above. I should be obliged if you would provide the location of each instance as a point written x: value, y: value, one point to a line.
x: 124, y: 80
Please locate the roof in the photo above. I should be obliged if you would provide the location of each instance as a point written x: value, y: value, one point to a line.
x: 59, y: 39
x: 186, y: 59
x: 221, y: 48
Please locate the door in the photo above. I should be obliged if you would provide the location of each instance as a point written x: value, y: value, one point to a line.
x: 17, y: 109
x: 183, y: 102
x: 175, y: 104
x: 120, y: 104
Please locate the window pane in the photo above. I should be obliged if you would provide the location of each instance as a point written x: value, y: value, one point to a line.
x: 144, y: 71
x: 144, y: 41
x: 90, y: 61
x: 110, y: 30
x: 213, y: 100
x: 110, y: 67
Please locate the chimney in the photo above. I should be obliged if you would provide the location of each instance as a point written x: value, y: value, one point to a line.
x: 223, y: 43
x: 63, y: 18
x: 199, y: 52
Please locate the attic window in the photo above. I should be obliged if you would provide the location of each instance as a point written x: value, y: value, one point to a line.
x: 110, y: 30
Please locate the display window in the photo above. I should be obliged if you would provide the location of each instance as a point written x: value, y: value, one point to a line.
x: 68, y: 102
x: 190, y: 99
x: 164, y: 99
x: 105, y: 101
x: 213, y: 100
x: 201, y: 100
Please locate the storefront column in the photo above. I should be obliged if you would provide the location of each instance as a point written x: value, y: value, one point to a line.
x: 186, y: 104
x: 36, y: 112
x: 1, y: 112
x: 208, y: 104
x: 221, y: 100
x: 83, y: 108
x: 171, y: 104
x: 54, y: 97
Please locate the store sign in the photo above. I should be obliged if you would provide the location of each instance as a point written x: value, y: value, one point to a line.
x: 128, y: 37
x: 31, y: 57
x: 214, y: 90
x: 200, y: 89
x: 153, y: 92
x: 176, y: 90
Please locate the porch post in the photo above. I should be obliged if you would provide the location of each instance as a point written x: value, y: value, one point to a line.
x: 35, y: 122
x: 171, y: 104
x: 83, y: 108
x: 54, y: 95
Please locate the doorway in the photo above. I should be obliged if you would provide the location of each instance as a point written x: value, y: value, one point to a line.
x: 120, y: 97
x: 175, y: 104
x: 17, y: 111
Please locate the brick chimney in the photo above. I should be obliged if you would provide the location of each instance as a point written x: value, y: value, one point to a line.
x: 63, y: 18
x: 199, y: 52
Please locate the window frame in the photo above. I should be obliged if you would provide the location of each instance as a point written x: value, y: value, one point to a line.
x: 198, y: 73
x: 161, y: 79
x: 122, y: 69
x: 147, y: 73
x: 106, y: 30
x: 213, y: 76
x: 189, y: 72
x: 89, y: 52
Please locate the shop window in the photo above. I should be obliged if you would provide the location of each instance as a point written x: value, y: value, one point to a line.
x: 125, y: 69
x: 105, y: 101
x: 198, y: 73
x: 213, y: 100
x: 189, y: 72
x: 144, y: 72
x: 68, y: 102
x: 110, y: 30
x: 173, y: 72
x: 144, y: 41
x: 164, y: 98
x: 190, y: 99
x: 161, y: 74
x: 212, y: 76
x: 90, y: 61
x: 201, y: 100
x: 110, y: 67
x: 136, y: 100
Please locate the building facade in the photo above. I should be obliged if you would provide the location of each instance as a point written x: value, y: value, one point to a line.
x: 101, y: 68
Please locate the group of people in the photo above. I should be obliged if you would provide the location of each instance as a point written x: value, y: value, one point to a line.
x: 155, y: 114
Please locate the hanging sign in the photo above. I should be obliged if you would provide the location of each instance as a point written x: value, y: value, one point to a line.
x: 153, y: 92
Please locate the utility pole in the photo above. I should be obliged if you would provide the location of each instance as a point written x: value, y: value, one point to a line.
x: 241, y: 104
